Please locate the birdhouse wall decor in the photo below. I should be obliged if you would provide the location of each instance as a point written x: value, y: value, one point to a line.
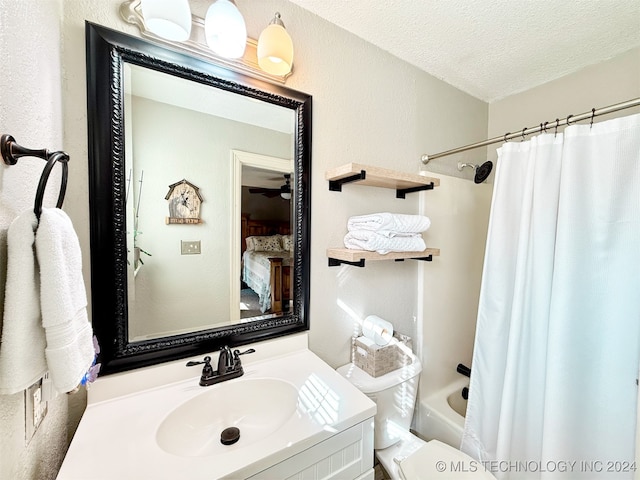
x: 184, y: 203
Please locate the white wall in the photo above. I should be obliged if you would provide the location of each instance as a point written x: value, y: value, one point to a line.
x: 31, y: 111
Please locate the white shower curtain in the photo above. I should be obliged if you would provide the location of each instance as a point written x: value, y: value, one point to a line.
x: 553, y: 390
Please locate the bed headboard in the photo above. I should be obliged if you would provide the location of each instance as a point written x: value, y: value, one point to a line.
x: 252, y: 228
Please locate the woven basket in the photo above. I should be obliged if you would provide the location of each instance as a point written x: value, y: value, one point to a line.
x: 379, y: 360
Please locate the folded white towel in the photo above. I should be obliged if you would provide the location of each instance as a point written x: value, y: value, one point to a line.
x: 63, y: 301
x: 22, y: 359
x: 375, y: 242
x: 389, y: 223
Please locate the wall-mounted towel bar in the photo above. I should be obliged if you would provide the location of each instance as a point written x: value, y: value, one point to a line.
x: 11, y: 152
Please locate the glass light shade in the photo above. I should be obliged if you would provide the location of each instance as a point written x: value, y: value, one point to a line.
x: 275, y: 49
x: 286, y: 195
x: 170, y: 19
x: 225, y: 30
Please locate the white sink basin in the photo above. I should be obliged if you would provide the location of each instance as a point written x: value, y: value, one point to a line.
x: 257, y: 407
x: 158, y: 423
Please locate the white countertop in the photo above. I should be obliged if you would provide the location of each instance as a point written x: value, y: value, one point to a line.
x: 116, y: 438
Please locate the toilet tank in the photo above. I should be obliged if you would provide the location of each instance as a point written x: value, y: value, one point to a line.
x: 395, y: 397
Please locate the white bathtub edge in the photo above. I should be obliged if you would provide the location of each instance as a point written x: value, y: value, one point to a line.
x: 435, y: 419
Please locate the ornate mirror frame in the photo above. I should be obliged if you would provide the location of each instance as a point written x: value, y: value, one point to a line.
x: 107, y: 51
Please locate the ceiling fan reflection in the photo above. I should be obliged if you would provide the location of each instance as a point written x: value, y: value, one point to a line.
x: 284, y: 191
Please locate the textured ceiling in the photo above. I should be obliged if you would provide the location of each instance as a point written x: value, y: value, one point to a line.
x: 491, y: 48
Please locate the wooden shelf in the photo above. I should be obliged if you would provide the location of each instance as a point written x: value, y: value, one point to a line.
x: 358, y: 258
x: 367, y: 175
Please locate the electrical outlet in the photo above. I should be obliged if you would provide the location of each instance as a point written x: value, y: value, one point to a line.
x: 35, y: 409
x: 190, y: 247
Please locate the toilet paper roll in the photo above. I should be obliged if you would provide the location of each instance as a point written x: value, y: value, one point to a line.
x: 377, y: 329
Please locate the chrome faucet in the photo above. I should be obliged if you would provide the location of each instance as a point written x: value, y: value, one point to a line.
x: 229, y: 366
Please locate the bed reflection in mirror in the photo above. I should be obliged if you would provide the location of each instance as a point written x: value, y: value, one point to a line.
x: 231, y: 261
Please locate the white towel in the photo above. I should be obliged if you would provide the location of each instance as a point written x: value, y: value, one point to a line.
x: 389, y: 223
x: 376, y: 242
x: 63, y: 301
x: 22, y: 359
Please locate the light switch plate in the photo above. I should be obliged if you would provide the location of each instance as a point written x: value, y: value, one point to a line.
x: 191, y: 247
x: 35, y: 409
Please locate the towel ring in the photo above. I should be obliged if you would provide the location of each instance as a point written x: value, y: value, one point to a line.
x: 63, y: 158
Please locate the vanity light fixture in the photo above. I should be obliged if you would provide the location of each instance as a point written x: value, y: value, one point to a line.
x: 275, y: 48
x: 170, y: 19
x: 208, y: 37
x: 225, y: 29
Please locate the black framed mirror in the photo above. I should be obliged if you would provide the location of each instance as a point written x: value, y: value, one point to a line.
x: 115, y: 190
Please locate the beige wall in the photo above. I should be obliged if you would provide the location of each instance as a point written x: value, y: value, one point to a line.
x: 450, y: 285
x: 368, y: 107
x: 597, y: 86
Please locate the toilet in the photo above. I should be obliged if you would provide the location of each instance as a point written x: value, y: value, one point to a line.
x: 403, y: 455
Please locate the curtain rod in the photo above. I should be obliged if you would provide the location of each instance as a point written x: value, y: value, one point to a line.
x: 543, y: 126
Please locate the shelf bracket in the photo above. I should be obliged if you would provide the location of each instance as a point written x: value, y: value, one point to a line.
x: 424, y: 259
x: 334, y: 262
x: 400, y: 193
x: 336, y: 185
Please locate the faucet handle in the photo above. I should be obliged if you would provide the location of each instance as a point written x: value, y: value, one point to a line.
x: 206, y: 361
x: 207, y: 370
x: 238, y: 352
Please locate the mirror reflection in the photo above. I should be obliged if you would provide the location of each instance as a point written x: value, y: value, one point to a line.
x: 208, y: 205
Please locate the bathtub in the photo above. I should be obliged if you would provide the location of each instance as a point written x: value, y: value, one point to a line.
x: 440, y: 416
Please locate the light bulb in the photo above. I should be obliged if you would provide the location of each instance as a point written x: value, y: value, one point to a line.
x: 170, y: 19
x: 275, y: 48
x: 225, y: 30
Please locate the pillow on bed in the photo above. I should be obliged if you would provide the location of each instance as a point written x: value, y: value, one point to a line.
x: 250, y: 245
x: 267, y: 244
x: 287, y: 243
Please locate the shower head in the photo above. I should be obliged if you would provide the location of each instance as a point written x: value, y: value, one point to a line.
x: 482, y: 171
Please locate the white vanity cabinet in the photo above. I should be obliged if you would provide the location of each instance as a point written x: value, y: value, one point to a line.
x: 346, y: 455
